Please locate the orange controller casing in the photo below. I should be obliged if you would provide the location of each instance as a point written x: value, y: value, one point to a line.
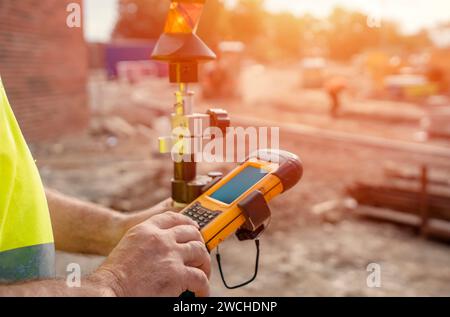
x: 280, y: 171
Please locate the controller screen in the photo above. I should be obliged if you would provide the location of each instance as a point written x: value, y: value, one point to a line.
x: 239, y: 184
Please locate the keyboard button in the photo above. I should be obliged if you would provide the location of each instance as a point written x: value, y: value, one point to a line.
x: 201, y: 215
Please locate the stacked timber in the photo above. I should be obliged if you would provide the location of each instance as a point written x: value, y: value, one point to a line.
x: 407, y: 200
x: 414, y: 197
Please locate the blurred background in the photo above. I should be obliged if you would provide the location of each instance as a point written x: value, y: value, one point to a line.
x: 360, y: 90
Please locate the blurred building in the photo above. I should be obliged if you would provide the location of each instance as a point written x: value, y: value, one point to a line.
x: 122, y: 56
x: 43, y: 64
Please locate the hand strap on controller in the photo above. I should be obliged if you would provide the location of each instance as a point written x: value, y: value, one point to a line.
x: 257, y: 212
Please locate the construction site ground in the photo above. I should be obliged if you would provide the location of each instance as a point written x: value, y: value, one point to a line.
x: 305, y: 251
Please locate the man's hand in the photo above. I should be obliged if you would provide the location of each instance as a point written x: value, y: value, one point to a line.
x: 129, y: 220
x: 163, y: 256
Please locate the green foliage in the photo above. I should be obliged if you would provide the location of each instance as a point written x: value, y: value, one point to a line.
x: 141, y: 19
x: 214, y: 25
x: 270, y: 36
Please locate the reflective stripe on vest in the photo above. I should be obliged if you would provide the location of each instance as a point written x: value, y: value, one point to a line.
x: 26, y: 238
x: 28, y: 263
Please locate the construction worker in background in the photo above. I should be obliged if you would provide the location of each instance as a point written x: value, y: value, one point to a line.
x: 334, y: 87
x: 151, y: 253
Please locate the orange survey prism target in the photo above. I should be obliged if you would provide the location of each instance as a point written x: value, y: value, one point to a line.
x: 219, y: 211
x: 183, y: 16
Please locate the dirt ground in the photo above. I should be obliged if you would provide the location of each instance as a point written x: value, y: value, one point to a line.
x: 303, y: 253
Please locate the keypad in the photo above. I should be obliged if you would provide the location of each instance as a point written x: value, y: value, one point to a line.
x: 200, y: 214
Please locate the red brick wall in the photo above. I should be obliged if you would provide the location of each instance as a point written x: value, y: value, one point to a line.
x: 43, y: 64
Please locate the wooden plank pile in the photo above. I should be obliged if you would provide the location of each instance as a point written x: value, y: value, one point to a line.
x: 412, y: 197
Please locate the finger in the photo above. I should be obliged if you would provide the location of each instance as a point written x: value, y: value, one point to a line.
x: 171, y: 219
x: 187, y: 233
x: 196, y: 255
x: 197, y: 282
x: 172, y: 206
x: 166, y: 205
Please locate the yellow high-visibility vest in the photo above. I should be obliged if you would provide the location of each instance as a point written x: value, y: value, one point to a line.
x: 26, y: 239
